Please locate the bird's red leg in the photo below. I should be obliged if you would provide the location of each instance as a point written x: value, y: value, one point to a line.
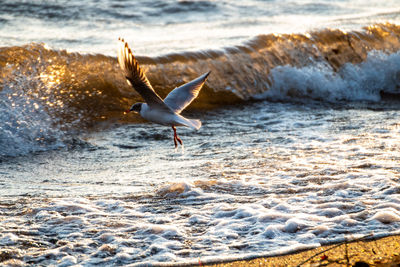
x: 175, y: 136
x: 179, y: 140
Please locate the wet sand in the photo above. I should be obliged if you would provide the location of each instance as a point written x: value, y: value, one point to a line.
x: 382, y: 252
x: 375, y: 252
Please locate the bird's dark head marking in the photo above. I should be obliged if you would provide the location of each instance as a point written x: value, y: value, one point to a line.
x: 136, y: 107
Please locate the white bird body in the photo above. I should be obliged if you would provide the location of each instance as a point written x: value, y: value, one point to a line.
x: 164, y: 112
x: 167, y: 118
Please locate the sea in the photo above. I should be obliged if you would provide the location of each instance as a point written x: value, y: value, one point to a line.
x: 300, y: 143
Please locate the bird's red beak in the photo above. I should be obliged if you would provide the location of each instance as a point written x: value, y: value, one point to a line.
x: 127, y: 111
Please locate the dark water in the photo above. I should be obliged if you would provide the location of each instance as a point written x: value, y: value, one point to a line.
x: 299, y: 145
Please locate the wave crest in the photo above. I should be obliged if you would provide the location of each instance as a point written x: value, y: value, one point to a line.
x: 90, y: 88
x: 73, y: 91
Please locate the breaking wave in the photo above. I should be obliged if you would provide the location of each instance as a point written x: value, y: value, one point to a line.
x: 46, y: 93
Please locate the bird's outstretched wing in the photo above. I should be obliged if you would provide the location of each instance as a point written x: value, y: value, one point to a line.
x: 179, y: 98
x: 136, y: 77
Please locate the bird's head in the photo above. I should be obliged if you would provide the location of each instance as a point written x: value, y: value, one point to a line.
x: 135, y: 108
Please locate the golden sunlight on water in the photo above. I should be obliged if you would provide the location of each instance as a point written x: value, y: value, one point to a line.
x: 52, y: 75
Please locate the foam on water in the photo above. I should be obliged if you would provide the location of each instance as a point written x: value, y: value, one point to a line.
x: 352, y: 82
x: 285, y: 177
x: 123, y: 231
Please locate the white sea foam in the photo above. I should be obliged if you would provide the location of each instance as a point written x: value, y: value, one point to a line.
x: 387, y: 216
x: 352, y: 82
x: 67, y: 261
x: 9, y: 239
x: 105, y: 231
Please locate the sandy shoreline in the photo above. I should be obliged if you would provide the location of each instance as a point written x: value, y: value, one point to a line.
x: 380, y: 252
x: 374, y: 252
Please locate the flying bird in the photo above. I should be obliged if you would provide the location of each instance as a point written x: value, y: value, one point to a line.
x: 164, y: 112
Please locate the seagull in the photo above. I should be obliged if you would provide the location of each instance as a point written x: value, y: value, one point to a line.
x: 164, y: 112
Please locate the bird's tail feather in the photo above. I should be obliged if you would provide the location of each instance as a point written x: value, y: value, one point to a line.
x: 196, y: 124
x: 192, y: 123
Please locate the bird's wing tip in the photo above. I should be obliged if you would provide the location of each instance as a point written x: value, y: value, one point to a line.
x: 205, y: 75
